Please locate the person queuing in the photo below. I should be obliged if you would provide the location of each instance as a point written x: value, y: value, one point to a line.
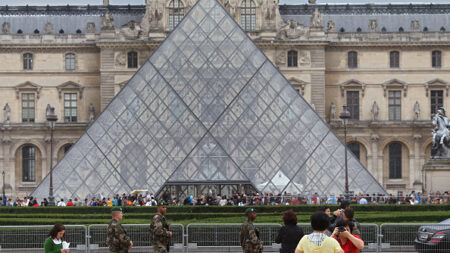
x: 53, y: 243
x: 249, y: 234
x: 118, y: 241
x: 318, y: 241
x: 159, y: 230
x: 349, y: 242
x: 290, y: 234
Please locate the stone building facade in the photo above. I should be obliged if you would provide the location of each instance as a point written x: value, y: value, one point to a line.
x: 388, y: 63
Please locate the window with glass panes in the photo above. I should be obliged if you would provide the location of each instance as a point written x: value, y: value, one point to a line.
x: 70, y: 107
x: 28, y: 163
x: 292, y: 58
x: 395, y: 160
x: 353, y: 104
x: 176, y: 13
x: 70, y: 61
x: 352, y: 59
x: 436, y: 59
x: 132, y: 59
x: 28, y: 105
x: 437, y: 100
x: 27, y: 61
x: 395, y: 103
x: 355, y: 148
x: 395, y: 59
x: 248, y: 15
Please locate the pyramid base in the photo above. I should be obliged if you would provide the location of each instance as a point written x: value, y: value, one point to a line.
x: 182, y: 191
x: 437, y: 175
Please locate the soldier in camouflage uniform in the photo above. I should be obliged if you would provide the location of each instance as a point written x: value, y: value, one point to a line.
x: 249, y: 235
x: 159, y: 230
x: 118, y: 241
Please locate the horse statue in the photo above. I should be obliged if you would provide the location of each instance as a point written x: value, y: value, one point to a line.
x: 441, y: 133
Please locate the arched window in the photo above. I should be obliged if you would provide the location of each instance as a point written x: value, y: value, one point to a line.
x: 436, y: 59
x: 400, y: 30
x: 176, y: 13
x: 352, y: 59
x: 28, y: 163
x: 70, y: 61
x: 292, y: 58
x: 425, y: 29
x: 27, y: 61
x: 61, y: 31
x: 395, y: 160
x: 36, y: 31
x: 19, y: 31
x: 78, y: 31
x: 342, y: 30
x: 394, y: 59
x: 359, y: 30
x: 442, y: 29
x: 355, y: 148
x: 248, y: 15
x: 383, y: 30
x: 132, y: 59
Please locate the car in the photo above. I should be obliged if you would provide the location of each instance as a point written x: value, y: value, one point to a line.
x: 433, y: 238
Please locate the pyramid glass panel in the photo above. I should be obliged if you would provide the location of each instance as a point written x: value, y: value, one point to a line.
x: 208, y: 107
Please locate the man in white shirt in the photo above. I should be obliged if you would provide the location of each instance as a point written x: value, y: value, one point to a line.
x: 363, y: 201
x: 61, y: 203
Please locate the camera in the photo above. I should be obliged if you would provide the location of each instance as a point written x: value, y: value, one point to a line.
x: 341, y: 229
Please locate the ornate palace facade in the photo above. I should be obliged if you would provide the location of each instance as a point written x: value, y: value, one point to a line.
x: 388, y: 63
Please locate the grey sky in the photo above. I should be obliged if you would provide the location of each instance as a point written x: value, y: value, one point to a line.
x: 124, y: 2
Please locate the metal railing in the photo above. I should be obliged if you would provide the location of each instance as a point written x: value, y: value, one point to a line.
x: 389, y: 237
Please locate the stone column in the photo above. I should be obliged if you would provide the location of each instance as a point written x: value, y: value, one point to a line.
x: 375, y: 169
x: 106, y: 76
x: 417, y: 168
x: 8, y: 164
x: 318, y: 80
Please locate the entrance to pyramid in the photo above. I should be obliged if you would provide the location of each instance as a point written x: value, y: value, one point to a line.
x: 200, y: 192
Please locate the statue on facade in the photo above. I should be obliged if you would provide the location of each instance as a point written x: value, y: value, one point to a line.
x: 121, y: 59
x: 374, y: 111
x: 90, y: 27
x: 131, y: 30
x: 231, y: 6
x: 316, y: 19
x: 155, y: 10
x: 416, y: 110
x: 6, y: 28
x: 281, y: 58
x: 304, y: 58
x: 332, y: 111
x: 6, y: 113
x: 291, y: 30
x: 48, y: 28
x: 91, y: 111
x: 373, y: 25
x: 269, y: 9
x: 441, y: 134
x: 415, y: 25
x: 107, y: 21
x: 331, y: 26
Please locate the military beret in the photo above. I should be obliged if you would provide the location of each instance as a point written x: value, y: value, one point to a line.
x: 249, y: 210
x: 162, y: 203
x: 116, y: 208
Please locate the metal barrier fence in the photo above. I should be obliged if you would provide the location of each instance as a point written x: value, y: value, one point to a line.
x: 409, y: 237
x: 29, y: 238
x: 390, y: 237
x: 139, y: 234
x: 220, y: 236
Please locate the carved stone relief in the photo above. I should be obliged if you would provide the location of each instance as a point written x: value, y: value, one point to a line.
x: 373, y: 25
x: 121, y: 59
x: 331, y: 26
x: 90, y: 27
x: 305, y: 58
x: 292, y: 30
x: 131, y: 30
x: 281, y: 58
x: 6, y: 28
x: 415, y: 25
x: 48, y: 28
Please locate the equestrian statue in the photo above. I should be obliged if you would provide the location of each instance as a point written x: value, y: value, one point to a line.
x: 440, y: 148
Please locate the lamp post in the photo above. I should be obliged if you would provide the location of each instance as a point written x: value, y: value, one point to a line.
x: 345, y: 115
x: 4, y: 195
x: 51, y: 118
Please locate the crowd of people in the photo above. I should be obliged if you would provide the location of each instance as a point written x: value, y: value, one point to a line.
x: 235, y: 199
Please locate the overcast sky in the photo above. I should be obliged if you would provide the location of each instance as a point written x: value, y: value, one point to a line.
x: 124, y: 2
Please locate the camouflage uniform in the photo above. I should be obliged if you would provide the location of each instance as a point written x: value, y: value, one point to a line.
x: 159, y: 234
x: 118, y: 241
x: 249, y: 238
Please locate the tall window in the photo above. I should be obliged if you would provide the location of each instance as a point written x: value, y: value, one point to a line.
x: 27, y: 61
x: 176, y: 13
x: 28, y: 163
x: 292, y: 58
x: 352, y: 60
x: 132, y: 59
x: 395, y: 105
x: 436, y: 59
x: 437, y: 100
x: 395, y: 59
x: 28, y: 105
x: 395, y: 160
x: 70, y: 61
x: 248, y: 15
x: 70, y: 107
x: 353, y: 104
x: 355, y: 148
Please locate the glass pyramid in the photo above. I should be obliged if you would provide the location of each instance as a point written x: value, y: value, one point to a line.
x: 208, y: 106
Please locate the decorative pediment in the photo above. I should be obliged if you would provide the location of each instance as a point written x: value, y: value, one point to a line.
x: 352, y: 84
x: 395, y: 83
x: 436, y: 83
x: 28, y: 87
x: 297, y: 82
x: 70, y: 86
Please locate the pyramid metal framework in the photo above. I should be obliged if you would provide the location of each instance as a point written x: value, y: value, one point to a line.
x: 207, y: 107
